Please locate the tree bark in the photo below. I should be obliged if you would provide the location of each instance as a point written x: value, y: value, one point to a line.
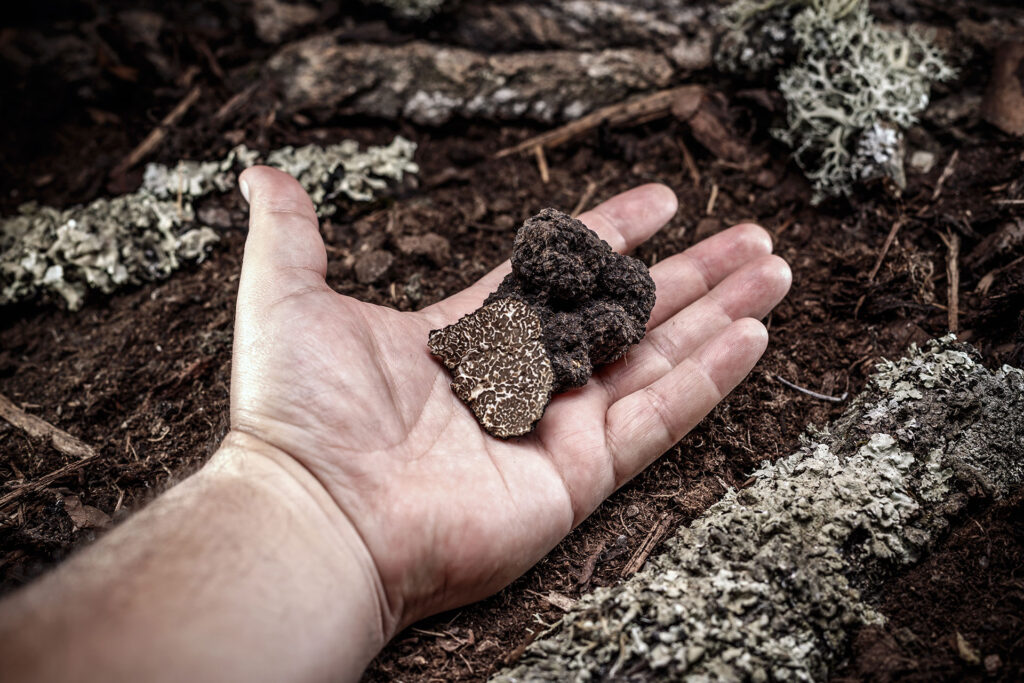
x: 678, y: 28
x: 432, y: 84
x: 769, y: 583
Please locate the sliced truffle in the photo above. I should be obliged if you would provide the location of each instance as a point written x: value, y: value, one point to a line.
x: 499, y: 366
x: 570, y: 305
x: 593, y: 303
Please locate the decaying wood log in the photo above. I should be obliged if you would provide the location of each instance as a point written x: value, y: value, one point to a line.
x: 681, y: 29
x: 769, y: 583
x: 431, y: 84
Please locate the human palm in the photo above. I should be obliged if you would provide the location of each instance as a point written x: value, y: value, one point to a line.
x: 447, y: 513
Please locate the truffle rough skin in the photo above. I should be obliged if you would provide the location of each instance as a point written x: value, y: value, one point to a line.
x: 499, y: 366
x: 593, y: 303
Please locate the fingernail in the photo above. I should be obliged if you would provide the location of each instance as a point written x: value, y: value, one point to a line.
x: 244, y: 187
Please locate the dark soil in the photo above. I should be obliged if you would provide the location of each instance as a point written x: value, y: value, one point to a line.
x: 143, y: 376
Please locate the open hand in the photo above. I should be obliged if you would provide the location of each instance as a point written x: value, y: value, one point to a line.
x: 444, y: 513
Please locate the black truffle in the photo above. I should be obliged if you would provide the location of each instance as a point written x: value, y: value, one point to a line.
x: 593, y: 303
x: 499, y: 366
x: 570, y: 305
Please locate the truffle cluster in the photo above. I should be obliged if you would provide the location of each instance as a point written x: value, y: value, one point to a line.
x: 587, y: 304
x: 593, y: 303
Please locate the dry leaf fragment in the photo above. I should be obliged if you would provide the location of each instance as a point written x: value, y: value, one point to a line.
x: 85, y: 516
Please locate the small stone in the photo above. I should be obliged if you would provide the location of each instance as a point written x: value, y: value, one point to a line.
x: 372, y: 266
x: 922, y: 161
x: 431, y: 245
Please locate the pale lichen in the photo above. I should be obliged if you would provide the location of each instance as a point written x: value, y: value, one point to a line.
x: 850, y: 85
x: 147, y: 234
x: 769, y: 583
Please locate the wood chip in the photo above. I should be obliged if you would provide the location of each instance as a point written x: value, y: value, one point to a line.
x: 560, y: 601
x: 61, y: 440
x: 41, y: 429
x: 654, y: 537
x: 85, y: 516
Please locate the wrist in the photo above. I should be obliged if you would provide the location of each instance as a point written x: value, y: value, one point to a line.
x: 321, y: 540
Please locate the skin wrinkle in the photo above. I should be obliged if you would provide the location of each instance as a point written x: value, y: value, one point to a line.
x: 611, y: 438
x: 570, y: 496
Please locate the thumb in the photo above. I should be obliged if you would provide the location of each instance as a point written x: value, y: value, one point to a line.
x: 284, y: 253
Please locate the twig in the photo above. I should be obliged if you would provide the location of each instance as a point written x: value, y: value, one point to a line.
x: 952, y: 242
x: 946, y: 173
x: 985, y: 283
x: 43, y: 481
x: 691, y: 165
x: 585, y: 198
x: 40, y: 428
x: 542, y: 164
x: 712, y: 199
x: 1010, y: 202
x: 890, y: 238
x: 61, y: 440
x: 235, y: 103
x: 654, y: 537
x: 157, y: 135
x: 813, y: 394
x: 644, y: 108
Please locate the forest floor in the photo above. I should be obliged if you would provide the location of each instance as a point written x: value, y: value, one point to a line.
x: 142, y: 376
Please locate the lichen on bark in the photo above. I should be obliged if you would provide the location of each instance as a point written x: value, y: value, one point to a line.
x: 770, y: 581
x: 148, y: 234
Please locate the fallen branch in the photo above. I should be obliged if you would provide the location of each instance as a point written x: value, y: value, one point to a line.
x: 647, y: 107
x: 431, y: 84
